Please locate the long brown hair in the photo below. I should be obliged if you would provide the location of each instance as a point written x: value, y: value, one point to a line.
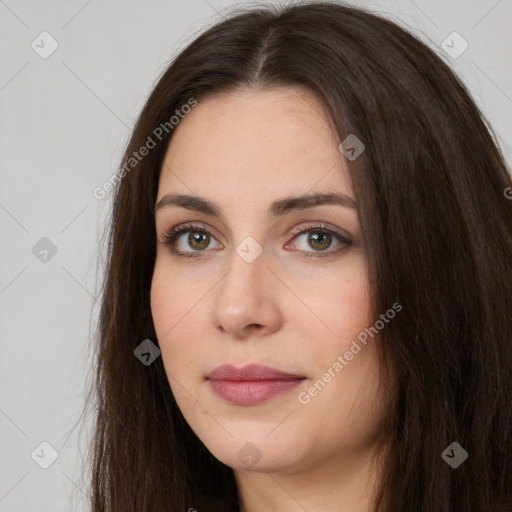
x: 438, y: 233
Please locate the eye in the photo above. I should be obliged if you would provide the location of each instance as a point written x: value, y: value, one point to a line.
x: 198, y: 240
x: 318, y: 237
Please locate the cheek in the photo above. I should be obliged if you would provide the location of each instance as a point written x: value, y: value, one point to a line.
x: 349, y: 390
x: 177, y: 330
x: 174, y: 297
x: 341, y: 300
x: 176, y: 316
x: 350, y: 306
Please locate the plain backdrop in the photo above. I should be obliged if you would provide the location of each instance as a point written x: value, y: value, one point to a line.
x: 63, y: 125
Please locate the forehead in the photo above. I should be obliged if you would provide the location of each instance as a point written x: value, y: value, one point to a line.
x: 257, y: 142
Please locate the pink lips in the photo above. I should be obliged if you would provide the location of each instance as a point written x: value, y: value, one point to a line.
x: 252, y: 384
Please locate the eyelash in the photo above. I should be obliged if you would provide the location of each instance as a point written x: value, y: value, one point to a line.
x: 169, y: 239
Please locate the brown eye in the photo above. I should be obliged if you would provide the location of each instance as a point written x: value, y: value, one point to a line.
x: 319, y: 240
x: 198, y: 240
x: 193, y: 245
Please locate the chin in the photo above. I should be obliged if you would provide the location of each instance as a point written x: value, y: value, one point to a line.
x: 256, y: 452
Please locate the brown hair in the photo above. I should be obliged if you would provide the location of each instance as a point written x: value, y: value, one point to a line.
x: 437, y: 227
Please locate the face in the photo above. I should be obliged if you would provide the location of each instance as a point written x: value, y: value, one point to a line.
x: 253, y: 278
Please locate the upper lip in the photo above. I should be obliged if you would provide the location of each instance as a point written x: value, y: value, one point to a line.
x: 249, y: 372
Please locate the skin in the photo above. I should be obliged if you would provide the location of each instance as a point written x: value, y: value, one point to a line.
x: 244, y: 150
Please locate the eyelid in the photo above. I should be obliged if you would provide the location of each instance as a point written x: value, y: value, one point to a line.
x: 321, y: 226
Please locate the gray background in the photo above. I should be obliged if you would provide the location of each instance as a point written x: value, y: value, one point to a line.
x: 64, y: 123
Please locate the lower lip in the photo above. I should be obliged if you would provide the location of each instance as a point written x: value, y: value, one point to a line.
x: 251, y: 392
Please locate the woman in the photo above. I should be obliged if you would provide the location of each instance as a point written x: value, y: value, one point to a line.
x: 308, y: 293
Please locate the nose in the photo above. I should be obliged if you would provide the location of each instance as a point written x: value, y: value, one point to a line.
x: 246, y: 299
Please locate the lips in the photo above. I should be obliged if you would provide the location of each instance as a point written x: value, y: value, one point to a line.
x: 249, y: 372
x: 252, y: 384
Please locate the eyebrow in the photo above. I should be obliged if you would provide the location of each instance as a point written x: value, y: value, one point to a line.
x: 277, y: 208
